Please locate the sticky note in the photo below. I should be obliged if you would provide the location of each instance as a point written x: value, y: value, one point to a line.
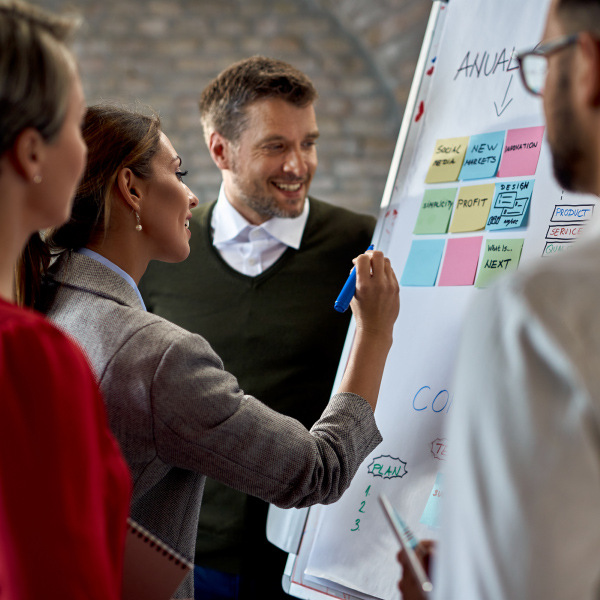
x: 521, y: 152
x: 472, y: 208
x: 460, y: 261
x: 483, y: 156
x: 435, y: 211
x: 447, y: 160
x: 510, y: 207
x: 431, y: 514
x: 499, y: 256
x: 423, y: 263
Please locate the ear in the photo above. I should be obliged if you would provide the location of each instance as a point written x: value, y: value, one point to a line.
x: 29, y: 153
x: 220, y: 149
x: 129, y: 186
x: 587, y: 70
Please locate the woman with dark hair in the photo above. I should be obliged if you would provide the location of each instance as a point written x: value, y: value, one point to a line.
x: 64, y: 487
x: 178, y: 415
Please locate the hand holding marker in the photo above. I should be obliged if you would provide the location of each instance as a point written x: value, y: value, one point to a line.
x: 343, y: 300
x: 408, y: 543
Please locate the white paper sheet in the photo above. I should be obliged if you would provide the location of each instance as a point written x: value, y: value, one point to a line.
x: 353, y: 546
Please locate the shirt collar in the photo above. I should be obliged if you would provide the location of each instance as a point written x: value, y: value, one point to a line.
x: 228, y: 223
x: 111, y: 265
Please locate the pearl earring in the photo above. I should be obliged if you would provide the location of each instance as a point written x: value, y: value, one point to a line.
x: 37, y: 178
x: 138, y: 227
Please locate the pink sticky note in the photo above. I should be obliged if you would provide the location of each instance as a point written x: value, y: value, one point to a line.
x: 521, y: 152
x: 460, y: 261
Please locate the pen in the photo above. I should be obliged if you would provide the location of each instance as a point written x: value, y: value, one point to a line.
x: 408, y: 542
x: 343, y: 300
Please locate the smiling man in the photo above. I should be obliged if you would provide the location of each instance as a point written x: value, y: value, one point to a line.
x: 267, y: 262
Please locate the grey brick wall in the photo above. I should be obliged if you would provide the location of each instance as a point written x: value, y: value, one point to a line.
x: 390, y: 31
x: 360, y: 54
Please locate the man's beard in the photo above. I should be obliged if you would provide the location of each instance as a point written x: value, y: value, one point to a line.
x: 264, y: 204
x: 566, y: 149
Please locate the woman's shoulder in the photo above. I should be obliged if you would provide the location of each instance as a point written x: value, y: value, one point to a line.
x: 147, y: 324
x: 164, y: 338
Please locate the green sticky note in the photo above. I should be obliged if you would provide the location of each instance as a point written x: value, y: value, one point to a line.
x: 500, y: 256
x: 435, y: 211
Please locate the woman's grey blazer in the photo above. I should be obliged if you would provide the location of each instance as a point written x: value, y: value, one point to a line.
x: 179, y: 417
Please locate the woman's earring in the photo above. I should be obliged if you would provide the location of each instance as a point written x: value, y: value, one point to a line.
x: 138, y: 227
x: 37, y: 178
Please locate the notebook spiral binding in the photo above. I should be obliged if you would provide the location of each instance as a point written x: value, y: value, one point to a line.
x: 169, y: 553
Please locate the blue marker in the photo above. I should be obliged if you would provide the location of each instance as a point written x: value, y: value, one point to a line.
x: 343, y: 300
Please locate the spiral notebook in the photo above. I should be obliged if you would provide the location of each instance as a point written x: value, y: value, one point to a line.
x: 152, y: 570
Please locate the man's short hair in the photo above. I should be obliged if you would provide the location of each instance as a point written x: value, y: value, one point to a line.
x: 580, y: 15
x: 224, y: 101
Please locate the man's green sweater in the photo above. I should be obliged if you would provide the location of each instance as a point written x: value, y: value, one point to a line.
x: 278, y: 334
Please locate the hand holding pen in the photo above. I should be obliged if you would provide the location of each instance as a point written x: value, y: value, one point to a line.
x: 343, y: 300
x: 409, y: 585
x: 413, y: 556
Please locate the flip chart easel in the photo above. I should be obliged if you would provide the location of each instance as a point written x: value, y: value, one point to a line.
x: 469, y: 197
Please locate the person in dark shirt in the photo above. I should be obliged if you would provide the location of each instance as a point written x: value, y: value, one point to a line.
x: 267, y: 262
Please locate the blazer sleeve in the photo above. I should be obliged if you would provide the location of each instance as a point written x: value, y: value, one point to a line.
x: 204, y: 422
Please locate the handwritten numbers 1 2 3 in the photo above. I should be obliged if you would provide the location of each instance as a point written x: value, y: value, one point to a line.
x: 361, y: 509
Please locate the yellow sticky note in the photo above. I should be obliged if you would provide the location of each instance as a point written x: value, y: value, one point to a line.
x: 472, y: 208
x: 447, y: 160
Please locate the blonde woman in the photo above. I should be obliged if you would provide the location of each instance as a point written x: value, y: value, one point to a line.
x: 64, y: 487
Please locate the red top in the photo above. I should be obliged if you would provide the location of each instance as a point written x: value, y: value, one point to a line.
x: 64, y: 486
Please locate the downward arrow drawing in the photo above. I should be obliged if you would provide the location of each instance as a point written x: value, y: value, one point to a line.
x: 502, y: 106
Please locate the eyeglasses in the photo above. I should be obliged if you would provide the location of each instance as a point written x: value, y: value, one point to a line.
x: 534, y: 63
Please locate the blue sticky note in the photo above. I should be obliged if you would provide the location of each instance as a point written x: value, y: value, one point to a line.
x: 483, y: 156
x: 423, y: 263
x: 510, y: 207
x: 431, y: 514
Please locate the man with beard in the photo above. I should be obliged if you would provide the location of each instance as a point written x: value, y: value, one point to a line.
x: 522, y: 488
x: 266, y: 265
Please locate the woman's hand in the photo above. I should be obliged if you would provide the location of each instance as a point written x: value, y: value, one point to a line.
x: 376, y: 302
x: 375, y: 305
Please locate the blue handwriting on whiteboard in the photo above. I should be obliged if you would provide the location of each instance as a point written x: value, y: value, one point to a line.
x: 437, y: 402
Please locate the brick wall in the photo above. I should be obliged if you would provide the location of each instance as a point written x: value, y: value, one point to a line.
x: 391, y: 33
x: 360, y: 54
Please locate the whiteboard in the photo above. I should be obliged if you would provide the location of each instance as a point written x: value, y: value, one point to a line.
x: 467, y: 87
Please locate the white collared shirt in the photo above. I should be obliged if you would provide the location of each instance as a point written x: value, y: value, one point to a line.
x: 251, y: 249
x: 111, y: 265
